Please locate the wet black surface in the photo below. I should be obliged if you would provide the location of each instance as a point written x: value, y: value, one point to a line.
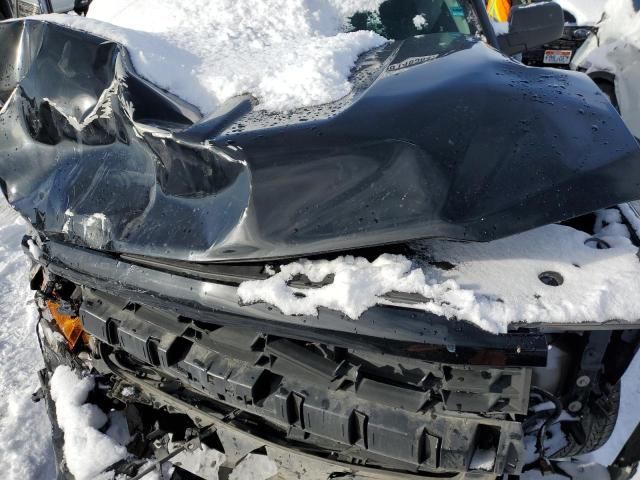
x: 442, y: 136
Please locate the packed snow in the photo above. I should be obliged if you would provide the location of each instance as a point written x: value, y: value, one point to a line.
x: 492, y: 284
x: 597, y: 284
x: 81, y: 422
x: 207, y: 51
x: 357, y: 285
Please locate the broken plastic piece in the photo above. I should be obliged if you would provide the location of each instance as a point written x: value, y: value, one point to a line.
x: 69, y: 325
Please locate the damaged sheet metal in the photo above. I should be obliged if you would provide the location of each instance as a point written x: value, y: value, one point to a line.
x: 442, y: 136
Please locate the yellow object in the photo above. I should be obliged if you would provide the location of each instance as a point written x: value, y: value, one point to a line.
x: 499, y: 10
x: 70, y: 326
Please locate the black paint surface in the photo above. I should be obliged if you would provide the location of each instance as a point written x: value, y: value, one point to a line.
x: 442, y: 136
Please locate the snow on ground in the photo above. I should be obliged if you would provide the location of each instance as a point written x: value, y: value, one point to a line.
x: 207, y: 51
x: 26, y: 451
x: 491, y: 284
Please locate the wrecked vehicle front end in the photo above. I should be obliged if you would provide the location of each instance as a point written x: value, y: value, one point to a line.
x: 148, y: 218
x: 399, y: 393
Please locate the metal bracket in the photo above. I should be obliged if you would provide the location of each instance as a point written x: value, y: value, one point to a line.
x: 588, y: 376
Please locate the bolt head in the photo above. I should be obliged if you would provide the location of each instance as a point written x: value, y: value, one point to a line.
x: 575, y: 407
x: 583, y: 381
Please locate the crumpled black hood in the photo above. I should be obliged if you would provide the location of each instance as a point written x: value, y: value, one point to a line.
x: 442, y: 136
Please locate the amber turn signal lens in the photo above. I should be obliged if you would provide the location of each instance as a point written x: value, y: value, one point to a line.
x: 69, y: 325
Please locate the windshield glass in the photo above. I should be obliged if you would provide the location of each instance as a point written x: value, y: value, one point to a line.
x: 399, y: 19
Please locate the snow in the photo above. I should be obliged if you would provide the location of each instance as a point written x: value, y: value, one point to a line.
x: 491, y: 284
x: 204, y: 462
x: 25, y: 434
x: 419, y: 21
x: 207, y: 51
x: 620, y: 22
x: 577, y: 470
x: 128, y: 392
x: 87, y: 450
x: 34, y: 249
x: 357, y: 286
x: 616, y: 50
x: 597, y: 284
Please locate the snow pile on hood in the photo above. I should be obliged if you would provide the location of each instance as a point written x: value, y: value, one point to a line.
x: 87, y: 450
x: 357, y: 285
x: 287, y: 53
x: 596, y: 284
x: 490, y: 284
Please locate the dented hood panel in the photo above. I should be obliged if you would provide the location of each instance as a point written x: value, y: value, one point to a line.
x: 442, y: 136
